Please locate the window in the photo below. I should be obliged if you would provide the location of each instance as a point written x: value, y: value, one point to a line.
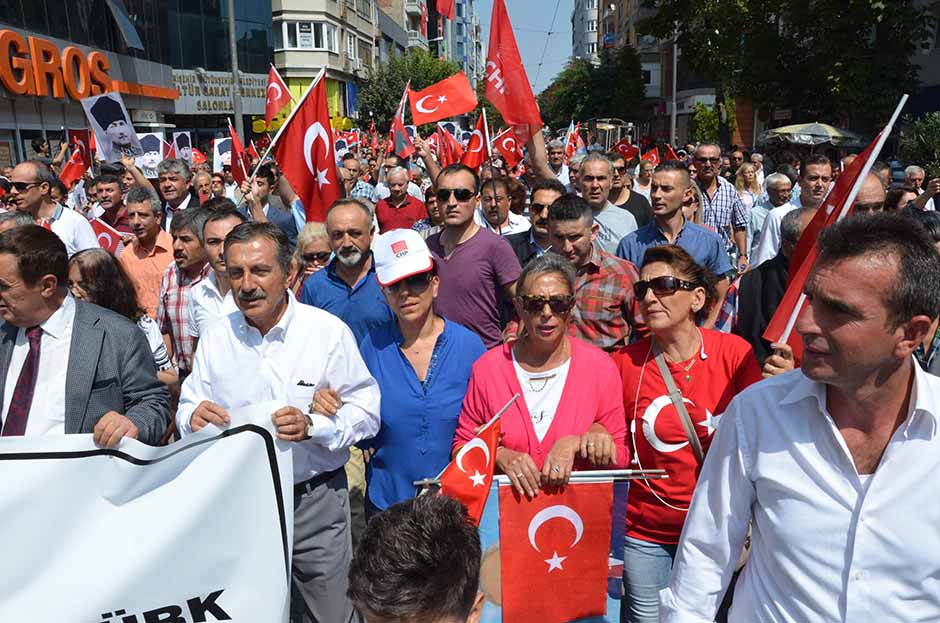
x: 647, y: 76
x: 305, y: 36
x: 592, y: 25
x: 350, y: 45
x: 592, y: 48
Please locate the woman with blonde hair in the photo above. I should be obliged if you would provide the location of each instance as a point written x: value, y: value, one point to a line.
x: 692, y: 207
x: 746, y: 183
x: 312, y: 254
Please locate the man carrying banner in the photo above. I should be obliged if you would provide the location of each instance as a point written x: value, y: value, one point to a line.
x: 274, y: 348
x: 835, y: 464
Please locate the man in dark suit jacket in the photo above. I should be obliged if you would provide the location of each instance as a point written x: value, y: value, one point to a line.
x: 257, y: 195
x: 67, y: 366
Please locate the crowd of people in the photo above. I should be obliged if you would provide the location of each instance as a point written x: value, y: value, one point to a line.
x: 624, y: 303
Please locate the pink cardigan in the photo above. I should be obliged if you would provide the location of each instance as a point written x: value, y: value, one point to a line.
x: 592, y: 393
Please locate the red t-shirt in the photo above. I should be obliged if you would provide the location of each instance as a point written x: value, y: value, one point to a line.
x: 658, y: 440
x: 402, y: 217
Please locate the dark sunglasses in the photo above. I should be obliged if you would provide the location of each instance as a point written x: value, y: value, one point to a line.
x: 558, y: 304
x: 320, y: 257
x: 662, y: 286
x: 536, y: 208
x: 712, y: 160
x: 415, y: 283
x: 22, y: 187
x: 462, y: 194
x: 620, y: 169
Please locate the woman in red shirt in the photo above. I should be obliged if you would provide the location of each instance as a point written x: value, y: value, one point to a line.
x: 708, y: 368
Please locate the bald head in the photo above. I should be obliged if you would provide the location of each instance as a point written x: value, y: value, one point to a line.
x: 871, y: 196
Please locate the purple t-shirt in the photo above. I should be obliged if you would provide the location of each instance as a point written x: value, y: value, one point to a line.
x: 471, y: 282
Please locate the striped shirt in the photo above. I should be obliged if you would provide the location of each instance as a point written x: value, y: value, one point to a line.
x: 724, y: 211
x: 603, y: 312
x: 173, y: 313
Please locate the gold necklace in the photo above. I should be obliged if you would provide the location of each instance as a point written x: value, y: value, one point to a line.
x: 688, y: 377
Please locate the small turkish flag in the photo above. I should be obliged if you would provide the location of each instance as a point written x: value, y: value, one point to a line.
x: 652, y: 155
x: 109, y: 238
x: 253, y: 151
x: 74, y: 169
x: 468, y: 477
x: 449, y: 149
x: 671, y: 153
x: 81, y: 140
x: 198, y: 157
x: 446, y: 8
x: 507, y: 85
x: 278, y: 96
x: 169, y: 150
x: 447, y: 98
x: 241, y: 163
x: 628, y: 151
x: 508, y: 148
x: 305, y: 153
x: 554, y: 551
x: 478, y: 147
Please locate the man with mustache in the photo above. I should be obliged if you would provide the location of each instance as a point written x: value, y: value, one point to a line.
x: 494, y: 212
x: 147, y: 256
x: 721, y: 205
x: 534, y: 242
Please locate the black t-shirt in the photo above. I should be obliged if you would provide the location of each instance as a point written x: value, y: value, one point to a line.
x: 639, y: 207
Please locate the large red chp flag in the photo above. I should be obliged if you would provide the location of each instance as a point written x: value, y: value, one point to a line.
x: 507, y: 85
x: 469, y: 476
x: 305, y: 153
x: 554, y: 552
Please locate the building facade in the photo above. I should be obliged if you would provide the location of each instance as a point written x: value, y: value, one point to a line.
x: 584, y: 30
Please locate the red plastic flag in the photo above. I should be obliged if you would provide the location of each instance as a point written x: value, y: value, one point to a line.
x: 253, y: 151
x: 109, y: 238
x: 74, y: 168
x: 278, y: 96
x: 468, y: 477
x: 198, y: 157
x: 449, y: 148
x: 446, y: 8
x: 81, y: 140
x: 375, y: 138
x: 241, y: 163
x: 554, y: 551
x: 671, y: 153
x: 652, y: 156
x: 508, y: 148
x: 401, y: 142
x: 478, y: 147
x: 507, y: 85
x: 628, y: 151
x: 305, y: 153
x: 447, y: 98
x: 169, y: 150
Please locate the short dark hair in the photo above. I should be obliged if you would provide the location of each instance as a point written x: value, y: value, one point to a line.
x: 350, y: 156
x: 928, y: 219
x: 548, y: 263
x: 38, y: 251
x: 398, y: 159
x: 221, y: 214
x: 549, y: 184
x: 106, y: 283
x: 418, y: 561
x: 457, y: 168
x: 498, y: 181
x: 676, y: 165
x: 247, y: 232
x: 790, y: 229
x: 267, y: 173
x: 614, y: 156
x: 570, y: 207
x: 917, y: 290
x: 812, y: 159
x: 894, y: 195
x: 109, y: 178
x: 37, y: 143
x: 192, y: 219
x: 880, y: 165
x: 58, y: 185
x: 686, y: 266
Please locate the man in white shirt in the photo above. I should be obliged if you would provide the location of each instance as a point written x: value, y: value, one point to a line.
x: 274, y: 348
x: 381, y: 189
x: 211, y: 298
x: 556, y: 161
x: 31, y: 192
x: 834, y: 465
x: 779, y: 187
x: 597, y: 172
x: 758, y: 161
x: 494, y: 213
x: 175, y: 180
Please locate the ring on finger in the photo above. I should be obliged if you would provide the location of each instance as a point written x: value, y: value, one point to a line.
x: 556, y: 469
x: 590, y: 444
x: 518, y: 474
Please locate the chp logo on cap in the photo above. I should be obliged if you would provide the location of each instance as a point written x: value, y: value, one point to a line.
x: 400, y: 247
x: 399, y: 254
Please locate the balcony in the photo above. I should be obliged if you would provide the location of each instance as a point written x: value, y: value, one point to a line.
x: 417, y: 40
x: 414, y: 7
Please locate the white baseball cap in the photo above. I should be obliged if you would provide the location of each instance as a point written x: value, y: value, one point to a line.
x: 399, y: 254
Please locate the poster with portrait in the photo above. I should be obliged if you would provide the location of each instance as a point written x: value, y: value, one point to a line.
x: 183, y: 146
x: 114, y: 132
x: 152, y: 145
x: 221, y: 154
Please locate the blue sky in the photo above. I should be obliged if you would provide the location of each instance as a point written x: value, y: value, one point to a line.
x: 531, y: 21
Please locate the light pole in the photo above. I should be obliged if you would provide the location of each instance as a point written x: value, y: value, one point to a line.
x: 236, y: 82
x: 675, y: 69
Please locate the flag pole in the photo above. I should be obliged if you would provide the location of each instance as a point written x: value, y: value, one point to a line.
x: 844, y: 209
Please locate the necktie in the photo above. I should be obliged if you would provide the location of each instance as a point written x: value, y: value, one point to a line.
x: 18, y: 413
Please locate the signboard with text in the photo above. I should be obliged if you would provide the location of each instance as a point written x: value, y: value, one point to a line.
x: 210, y: 92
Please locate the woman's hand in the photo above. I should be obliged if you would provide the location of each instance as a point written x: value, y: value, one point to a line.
x: 521, y: 470
x: 598, y: 447
x: 557, y: 468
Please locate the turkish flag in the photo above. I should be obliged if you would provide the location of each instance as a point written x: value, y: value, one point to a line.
x: 109, y: 238
x: 652, y: 156
x: 468, y: 477
x: 670, y: 153
x: 449, y: 148
x: 81, y: 140
x: 241, y: 163
x: 278, y: 96
x: 837, y: 204
x: 74, y: 169
x: 253, y: 151
x: 446, y: 8
x: 198, y: 157
x: 508, y: 148
x: 169, y: 151
x: 447, y: 98
x: 554, y: 551
x: 507, y: 85
x: 398, y: 135
x: 305, y: 153
x: 478, y: 147
x: 628, y: 151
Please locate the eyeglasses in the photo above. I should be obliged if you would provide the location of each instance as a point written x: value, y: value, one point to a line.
x: 662, y: 286
x: 711, y: 160
x: 537, y: 208
x: 416, y: 283
x: 491, y: 199
x: 559, y: 304
x: 461, y: 194
x: 320, y: 257
x: 22, y: 187
x: 622, y: 169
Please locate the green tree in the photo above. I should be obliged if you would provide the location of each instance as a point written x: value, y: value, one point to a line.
x: 845, y: 62
x: 704, y: 123
x: 382, y: 92
x: 920, y: 143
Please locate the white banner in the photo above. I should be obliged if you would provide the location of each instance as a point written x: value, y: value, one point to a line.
x: 200, y: 530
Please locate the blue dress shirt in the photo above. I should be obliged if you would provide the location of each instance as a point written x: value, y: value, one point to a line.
x: 418, y: 419
x: 705, y: 246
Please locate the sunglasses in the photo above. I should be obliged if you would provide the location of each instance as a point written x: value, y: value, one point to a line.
x: 320, y: 257
x: 461, y: 194
x: 559, y: 304
x: 416, y: 283
x: 537, y: 208
x: 661, y: 286
x: 22, y: 187
x: 620, y: 169
x: 711, y: 160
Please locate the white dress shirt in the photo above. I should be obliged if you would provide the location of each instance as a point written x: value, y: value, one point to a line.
x: 206, y: 304
x: 168, y: 214
x: 308, y: 348
x: 47, y: 410
x: 516, y: 223
x: 74, y: 230
x: 826, y: 545
x: 382, y: 191
x: 768, y: 246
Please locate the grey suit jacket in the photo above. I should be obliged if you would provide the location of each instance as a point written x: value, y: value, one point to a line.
x: 110, y: 368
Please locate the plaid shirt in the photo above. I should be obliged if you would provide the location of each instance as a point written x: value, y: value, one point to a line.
x: 725, y: 211
x: 173, y: 313
x: 364, y: 190
x: 603, y: 312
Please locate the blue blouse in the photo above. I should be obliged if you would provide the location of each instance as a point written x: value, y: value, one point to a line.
x: 418, y: 419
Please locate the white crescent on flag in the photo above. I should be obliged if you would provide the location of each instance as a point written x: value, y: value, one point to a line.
x: 560, y: 511
x: 108, y: 241
x: 313, y: 134
x: 419, y: 105
x: 509, y: 143
x: 470, y: 143
x: 277, y: 88
x: 649, y: 425
x: 476, y: 442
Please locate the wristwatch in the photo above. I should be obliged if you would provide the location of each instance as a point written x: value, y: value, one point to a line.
x: 310, y: 425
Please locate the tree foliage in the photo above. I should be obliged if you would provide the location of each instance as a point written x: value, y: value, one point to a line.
x: 382, y: 92
x: 613, y: 88
x: 920, y: 143
x: 842, y: 61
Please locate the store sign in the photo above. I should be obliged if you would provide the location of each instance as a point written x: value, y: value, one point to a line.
x: 210, y: 92
x: 36, y: 66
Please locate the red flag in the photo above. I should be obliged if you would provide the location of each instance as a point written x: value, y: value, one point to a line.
x: 424, y: 20
x: 169, y: 150
x: 507, y: 85
x: 198, y: 157
x: 109, y: 238
x: 309, y: 133
x: 468, y: 477
x: 92, y: 145
x: 278, y: 96
x: 253, y: 151
x: 478, y: 147
x: 375, y: 138
x: 401, y: 142
x: 508, y: 148
x: 554, y: 552
x: 241, y: 164
x: 628, y: 151
x: 652, y: 155
x: 446, y: 8
x: 447, y: 98
x: 670, y: 153
x: 81, y: 140
x: 449, y: 149
x: 574, y: 139
x: 74, y: 168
